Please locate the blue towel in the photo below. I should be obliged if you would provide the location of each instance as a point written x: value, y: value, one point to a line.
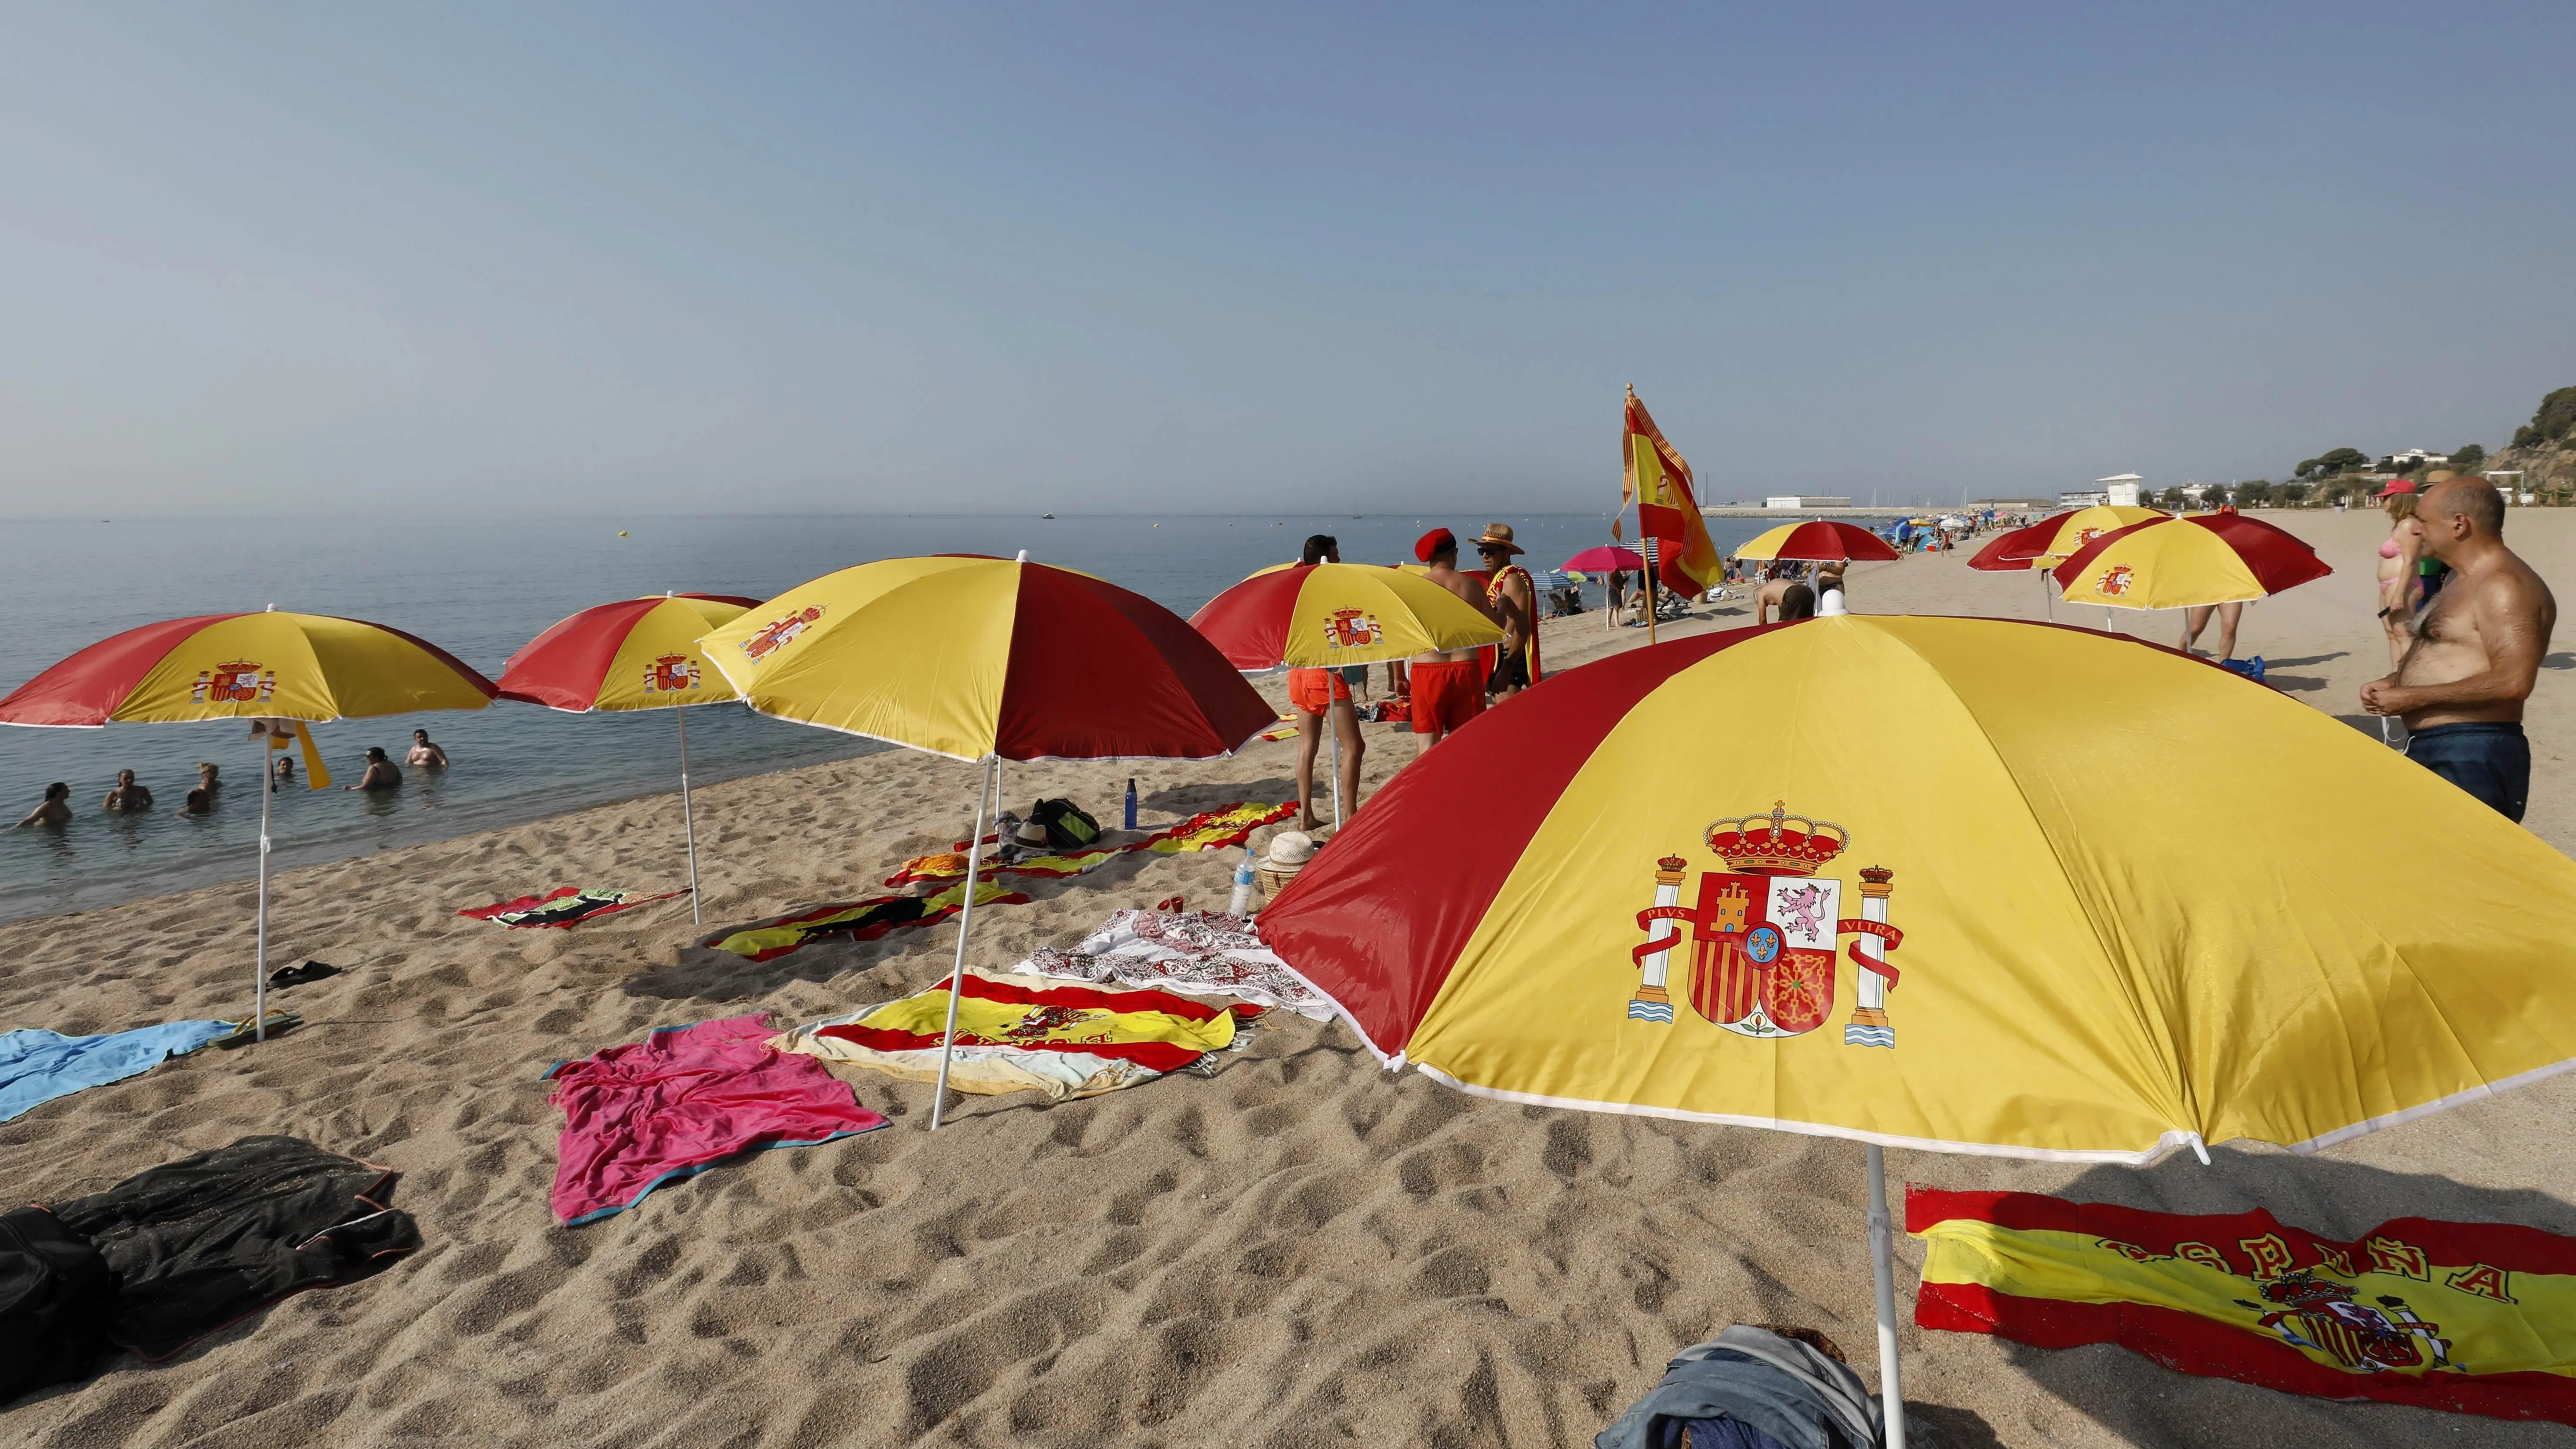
x: 38, y: 1066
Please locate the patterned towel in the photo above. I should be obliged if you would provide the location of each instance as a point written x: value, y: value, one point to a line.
x: 564, y: 907
x: 1205, y: 953
x: 1210, y: 830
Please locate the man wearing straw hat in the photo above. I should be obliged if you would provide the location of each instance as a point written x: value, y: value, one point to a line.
x: 1512, y: 599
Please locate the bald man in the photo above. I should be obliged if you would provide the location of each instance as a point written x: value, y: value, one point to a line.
x: 2476, y: 652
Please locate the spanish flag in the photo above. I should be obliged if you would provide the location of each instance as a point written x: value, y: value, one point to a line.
x: 2476, y: 1318
x: 1659, y: 483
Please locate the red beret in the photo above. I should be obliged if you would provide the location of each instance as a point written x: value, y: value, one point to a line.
x: 1434, y: 542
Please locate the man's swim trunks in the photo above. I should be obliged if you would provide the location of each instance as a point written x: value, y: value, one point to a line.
x: 1446, y: 696
x: 1309, y: 690
x: 2491, y: 760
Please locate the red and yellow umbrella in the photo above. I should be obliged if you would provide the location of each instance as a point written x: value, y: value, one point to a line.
x: 266, y: 666
x: 2062, y: 536
x: 1936, y: 893
x: 1321, y: 616
x: 1817, y: 540
x: 629, y: 655
x: 989, y: 659
x: 2175, y: 563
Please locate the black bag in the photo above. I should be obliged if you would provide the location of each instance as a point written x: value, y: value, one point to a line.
x: 55, y: 1297
x: 1066, y: 826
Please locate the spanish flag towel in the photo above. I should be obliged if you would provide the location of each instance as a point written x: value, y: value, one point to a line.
x: 2478, y: 1318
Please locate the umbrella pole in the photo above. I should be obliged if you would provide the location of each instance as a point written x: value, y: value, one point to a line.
x: 2047, y: 598
x: 1333, y: 727
x: 688, y: 821
x: 965, y: 916
x: 1891, y: 1392
x: 259, y: 959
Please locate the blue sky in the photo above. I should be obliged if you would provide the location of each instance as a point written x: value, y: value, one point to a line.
x: 867, y: 259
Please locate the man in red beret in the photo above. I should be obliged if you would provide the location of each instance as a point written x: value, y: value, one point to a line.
x: 1448, y: 685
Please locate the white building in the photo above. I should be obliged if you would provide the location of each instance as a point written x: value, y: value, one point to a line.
x: 2414, y: 457
x: 1808, y: 501
x: 2120, y: 490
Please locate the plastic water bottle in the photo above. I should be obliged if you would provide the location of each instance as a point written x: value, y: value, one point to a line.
x: 1241, y: 904
x: 1131, y: 802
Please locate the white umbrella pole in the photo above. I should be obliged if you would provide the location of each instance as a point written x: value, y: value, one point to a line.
x: 688, y: 821
x: 1333, y: 727
x: 1891, y: 1391
x: 259, y: 967
x: 965, y: 916
x: 2045, y: 597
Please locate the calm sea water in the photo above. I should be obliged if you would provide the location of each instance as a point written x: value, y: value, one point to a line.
x: 481, y: 589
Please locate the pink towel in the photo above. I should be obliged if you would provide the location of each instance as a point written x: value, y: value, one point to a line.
x: 681, y: 1100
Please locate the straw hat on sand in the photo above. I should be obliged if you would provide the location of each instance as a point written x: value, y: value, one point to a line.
x: 1288, y: 853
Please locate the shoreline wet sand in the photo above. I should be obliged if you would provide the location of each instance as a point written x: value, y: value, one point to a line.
x: 1300, y: 1250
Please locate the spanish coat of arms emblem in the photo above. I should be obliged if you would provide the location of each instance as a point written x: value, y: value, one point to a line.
x: 672, y: 674
x: 1764, y: 933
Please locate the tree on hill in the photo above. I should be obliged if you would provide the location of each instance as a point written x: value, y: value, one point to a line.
x: 2555, y: 419
x: 2339, y: 460
x: 2256, y: 492
x: 2467, y: 457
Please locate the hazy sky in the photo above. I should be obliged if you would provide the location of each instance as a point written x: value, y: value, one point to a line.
x: 931, y: 258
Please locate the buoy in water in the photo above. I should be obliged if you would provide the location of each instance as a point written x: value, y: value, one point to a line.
x: 621, y: 533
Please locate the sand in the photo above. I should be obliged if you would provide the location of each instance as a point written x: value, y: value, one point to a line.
x: 1302, y: 1250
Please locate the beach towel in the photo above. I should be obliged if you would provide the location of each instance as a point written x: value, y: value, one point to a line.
x: 208, y: 1240
x: 564, y: 907
x: 1206, y: 953
x: 1756, y: 1387
x: 1210, y: 830
x: 37, y: 1066
x: 1022, y: 1033
x: 2477, y: 1318
x: 1283, y: 732
x: 854, y: 920
x: 681, y: 1101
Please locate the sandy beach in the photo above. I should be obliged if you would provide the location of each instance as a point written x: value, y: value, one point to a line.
x: 1301, y: 1250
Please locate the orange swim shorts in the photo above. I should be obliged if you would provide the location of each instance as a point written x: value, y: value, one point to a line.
x: 1446, y: 696
x: 1309, y: 690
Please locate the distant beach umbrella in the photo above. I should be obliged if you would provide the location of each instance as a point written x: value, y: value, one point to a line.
x: 2174, y: 563
x: 1325, y: 616
x: 2062, y: 536
x: 2114, y: 941
x: 1818, y: 540
x: 629, y: 655
x: 1608, y: 558
x: 988, y: 659
x: 307, y: 668
x: 2018, y: 550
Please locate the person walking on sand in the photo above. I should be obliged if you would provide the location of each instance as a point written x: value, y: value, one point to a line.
x: 425, y: 754
x: 128, y: 798
x: 2196, y: 618
x: 1447, y: 688
x: 1512, y: 598
x: 1317, y: 693
x: 381, y: 774
x: 55, y: 811
x: 2398, y: 555
x: 2474, y: 659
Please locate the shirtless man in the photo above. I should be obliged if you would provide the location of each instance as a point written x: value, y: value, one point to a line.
x: 425, y: 754
x: 128, y: 798
x: 381, y: 774
x: 1447, y: 689
x: 56, y: 811
x: 2476, y: 653
x: 1829, y: 579
x: 1774, y: 591
x: 1513, y: 600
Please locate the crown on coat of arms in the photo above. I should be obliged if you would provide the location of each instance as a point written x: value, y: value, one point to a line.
x: 1778, y: 843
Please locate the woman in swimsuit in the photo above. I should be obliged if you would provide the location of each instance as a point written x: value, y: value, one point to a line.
x: 2397, y: 575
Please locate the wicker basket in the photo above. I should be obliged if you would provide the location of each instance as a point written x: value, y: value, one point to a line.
x: 1273, y: 880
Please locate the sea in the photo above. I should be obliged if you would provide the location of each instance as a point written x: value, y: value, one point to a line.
x: 481, y: 588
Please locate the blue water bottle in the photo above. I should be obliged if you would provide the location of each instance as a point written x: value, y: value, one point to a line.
x: 1131, y: 802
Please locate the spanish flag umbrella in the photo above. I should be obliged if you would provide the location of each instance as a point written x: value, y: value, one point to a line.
x: 269, y: 668
x: 1818, y: 540
x: 2049, y: 542
x: 2177, y: 563
x: 988, y: 659
x: 1325, y: 616
x: 2097, y: 962
x: 632, y: 654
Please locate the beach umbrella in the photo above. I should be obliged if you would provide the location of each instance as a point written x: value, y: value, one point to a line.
x: 2098, y: 960
x: 2060, y: 537
x: 632, y: 654
x: 1324, y: 616
x: 988, y: 659
x: 1819, y: 540
x: 308, y: 668
x: 2015, y: 550
x: 2175, y: 563
x: 1606, y: 558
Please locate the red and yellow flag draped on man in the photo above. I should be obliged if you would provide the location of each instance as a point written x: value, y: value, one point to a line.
x: 1659, y: 483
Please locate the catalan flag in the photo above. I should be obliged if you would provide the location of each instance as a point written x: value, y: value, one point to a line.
x: 1659, y: 483
x: 2477, y: 1318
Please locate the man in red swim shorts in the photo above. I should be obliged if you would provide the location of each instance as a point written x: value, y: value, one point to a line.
x: 1448, y: 687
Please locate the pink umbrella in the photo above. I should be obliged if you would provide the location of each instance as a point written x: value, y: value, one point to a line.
x: 1604, y: 559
